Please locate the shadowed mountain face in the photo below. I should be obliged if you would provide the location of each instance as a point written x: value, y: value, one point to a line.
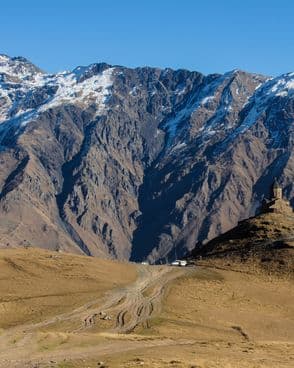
x: 137, y: 163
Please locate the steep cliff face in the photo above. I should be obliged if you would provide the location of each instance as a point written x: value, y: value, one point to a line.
x: 208, y: 181
x: 136, y: 163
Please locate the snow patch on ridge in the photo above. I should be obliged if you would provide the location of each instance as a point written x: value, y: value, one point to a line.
x: 280, y: 87
x: 206, y: 100
x: 202, y: 99
x: 185, y: 113
x: 17, y: 68
x: 3, y: 58
x: 95, y: 89
x: 20, y: 80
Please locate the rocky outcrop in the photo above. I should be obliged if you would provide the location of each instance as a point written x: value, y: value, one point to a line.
x: 266, y: 240
x: 136, y: 163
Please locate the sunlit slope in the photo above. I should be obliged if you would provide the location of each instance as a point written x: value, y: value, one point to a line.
x: 35, y: 284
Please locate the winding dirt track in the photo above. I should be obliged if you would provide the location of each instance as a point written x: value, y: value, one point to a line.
x: 134, y: 305
x: 125, y: 308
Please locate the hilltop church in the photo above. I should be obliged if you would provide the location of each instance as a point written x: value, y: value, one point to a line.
x: 276, y: 203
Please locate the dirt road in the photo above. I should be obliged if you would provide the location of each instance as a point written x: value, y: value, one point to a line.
x: 208, y: 318
x: 134, y: 304
x: 120, y: 311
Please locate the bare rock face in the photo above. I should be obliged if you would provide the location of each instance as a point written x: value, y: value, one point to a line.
x: 136, y: 163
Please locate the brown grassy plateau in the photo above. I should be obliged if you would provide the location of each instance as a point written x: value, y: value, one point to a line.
x: 161, y: 316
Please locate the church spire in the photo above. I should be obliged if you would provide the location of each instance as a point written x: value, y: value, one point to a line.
x: 277, y: 192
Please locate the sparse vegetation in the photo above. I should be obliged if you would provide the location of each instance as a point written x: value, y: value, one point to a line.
x: 209, y: 316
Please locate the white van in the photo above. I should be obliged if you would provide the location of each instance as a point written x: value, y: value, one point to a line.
x: 179, y: 263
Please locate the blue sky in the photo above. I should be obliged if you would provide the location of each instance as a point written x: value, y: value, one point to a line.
x: 207, y: 36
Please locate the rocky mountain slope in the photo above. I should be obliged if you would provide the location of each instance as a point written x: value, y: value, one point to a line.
x: 136, y: 163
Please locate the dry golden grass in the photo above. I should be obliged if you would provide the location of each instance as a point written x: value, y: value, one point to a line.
x: 36, y: 284
x: 263, y: 308
x: 232, y: 319
x: 210, y: 317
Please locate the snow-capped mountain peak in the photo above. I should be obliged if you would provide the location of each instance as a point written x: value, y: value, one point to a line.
x: 71, y: 89
x: 282, y: 86
x: 18, y: 68
x: 26, y: 92
x: 176, y: 155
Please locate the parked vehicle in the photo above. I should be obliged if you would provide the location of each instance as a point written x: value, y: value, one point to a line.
x: 179, y: 263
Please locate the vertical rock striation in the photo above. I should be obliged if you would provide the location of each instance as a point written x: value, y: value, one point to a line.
x: 136, y: 163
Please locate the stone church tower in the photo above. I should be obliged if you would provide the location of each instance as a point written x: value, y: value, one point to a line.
x: 276, y: 203
x: 277, y: 191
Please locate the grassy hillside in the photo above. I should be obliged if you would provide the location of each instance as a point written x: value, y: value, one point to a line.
x: 36, y: 284
x: 265, y: 241
x: 161, y: 316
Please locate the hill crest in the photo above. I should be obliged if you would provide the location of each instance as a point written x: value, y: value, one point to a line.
x: 267, y: 238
